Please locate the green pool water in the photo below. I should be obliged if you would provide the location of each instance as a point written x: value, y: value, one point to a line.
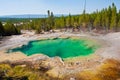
x: 63, y: 48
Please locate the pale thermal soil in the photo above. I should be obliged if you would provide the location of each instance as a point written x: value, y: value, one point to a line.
x: 110, y: 48
x: 113, y: 48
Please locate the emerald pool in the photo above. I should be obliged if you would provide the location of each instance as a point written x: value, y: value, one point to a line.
x: 62, y: 47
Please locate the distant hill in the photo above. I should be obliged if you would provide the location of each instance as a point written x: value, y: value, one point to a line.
x: 29, y: 16
x: 24, y: 16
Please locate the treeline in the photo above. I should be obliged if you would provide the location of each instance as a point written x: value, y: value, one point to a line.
x: 9, y: 29
x: 107, y: 19
x: 15, y: 20
x: 41, y: 24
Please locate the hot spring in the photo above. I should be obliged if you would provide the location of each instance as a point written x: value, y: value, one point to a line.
x: 62, y: 47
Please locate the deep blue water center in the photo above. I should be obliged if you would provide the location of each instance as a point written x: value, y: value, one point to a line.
x: 62, y: 47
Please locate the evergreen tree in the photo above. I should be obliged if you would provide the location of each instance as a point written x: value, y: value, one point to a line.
x: 60, y: 22
x: 107, y: 21
x: 103, y: 16
x: 109, y: 16
x: 118, y: 25
x: 118, y: 19
x: 113, y: 25
x: 1, y: 29
x: 85, y: 20
x: 43, y: 24
x: 48, y: 13
x: 68, y: 21
x: 75, y: 22
x: 50, y: 21
x: 10, y: 29
x: 97, y: 22
x: 38, y: 29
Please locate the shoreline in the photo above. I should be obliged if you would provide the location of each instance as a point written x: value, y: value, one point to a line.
x: 19, y: 40
x: 70, y: 65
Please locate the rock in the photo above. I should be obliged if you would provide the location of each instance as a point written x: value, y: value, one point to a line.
x: 53, y: 73
x: 72, y: 78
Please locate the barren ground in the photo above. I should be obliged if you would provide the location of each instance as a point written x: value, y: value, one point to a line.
x: 110, y: 50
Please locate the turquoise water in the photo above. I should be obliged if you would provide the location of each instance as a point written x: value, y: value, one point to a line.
x: 63, y: 48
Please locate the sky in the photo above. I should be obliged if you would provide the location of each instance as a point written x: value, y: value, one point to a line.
x: 17, y: 7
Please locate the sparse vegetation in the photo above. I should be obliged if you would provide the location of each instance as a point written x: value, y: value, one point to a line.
x: 109, y: 70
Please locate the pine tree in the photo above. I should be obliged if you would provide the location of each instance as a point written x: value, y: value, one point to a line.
x: 43, y: 24
x: 62, y: 21
x: 103, y: 16
x: 97, y: 21
x: 69, y: 20
x: 118, y: 25
x: 1, y: 29
x: 10, y: 29
x: 38, y: 29
x: 109, y: 16
x: 107, y: 21
x: 118, y: 19
x: 113, y: 25
x: 48, y: 13
x: 50, y: 21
